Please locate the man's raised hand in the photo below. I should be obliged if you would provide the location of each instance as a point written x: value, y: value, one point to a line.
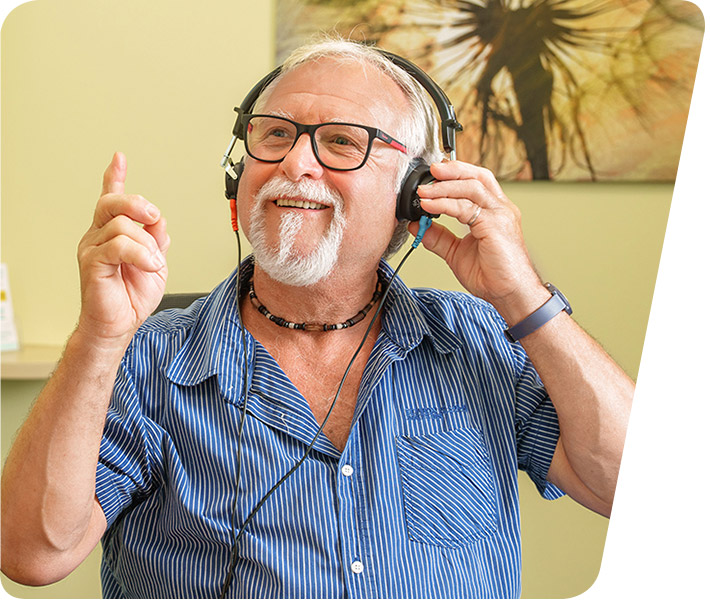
x: 121, y: 261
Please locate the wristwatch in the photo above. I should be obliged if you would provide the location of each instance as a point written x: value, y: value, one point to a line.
x: 542, y: 315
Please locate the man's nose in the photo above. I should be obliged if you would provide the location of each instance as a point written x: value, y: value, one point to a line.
x: 301, y: 160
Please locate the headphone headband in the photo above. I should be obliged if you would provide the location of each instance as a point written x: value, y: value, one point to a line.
x: 447, y: 115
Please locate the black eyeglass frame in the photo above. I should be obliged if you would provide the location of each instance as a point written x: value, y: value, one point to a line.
x: 373, y: 133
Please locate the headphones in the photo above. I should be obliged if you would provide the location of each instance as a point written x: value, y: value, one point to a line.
x: 418, y: 173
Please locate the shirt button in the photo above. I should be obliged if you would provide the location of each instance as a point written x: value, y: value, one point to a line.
x: 347, y: 470
x: 356, y: 567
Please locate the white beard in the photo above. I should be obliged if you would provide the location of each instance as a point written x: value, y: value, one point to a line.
x: 284, y: 264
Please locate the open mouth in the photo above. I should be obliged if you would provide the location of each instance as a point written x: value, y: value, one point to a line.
x: 307, y: 204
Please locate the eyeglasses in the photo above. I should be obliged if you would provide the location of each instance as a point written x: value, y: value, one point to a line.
x: 337, y: 146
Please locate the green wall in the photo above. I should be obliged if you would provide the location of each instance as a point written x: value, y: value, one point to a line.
x: 157, y: 80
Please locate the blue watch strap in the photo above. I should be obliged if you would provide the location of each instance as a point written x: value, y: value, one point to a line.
x: 542, y: 315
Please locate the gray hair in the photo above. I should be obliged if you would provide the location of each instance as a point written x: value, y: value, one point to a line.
x: 418, y: 131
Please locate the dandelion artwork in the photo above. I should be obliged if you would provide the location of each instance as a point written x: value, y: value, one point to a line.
x: 545, y: 89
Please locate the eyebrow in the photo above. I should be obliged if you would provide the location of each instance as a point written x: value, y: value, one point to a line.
x: 287, y: 115
x: 280, y: 113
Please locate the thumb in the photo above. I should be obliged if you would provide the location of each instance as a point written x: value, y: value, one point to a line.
x: 115, y: 175
x: 438, y: 239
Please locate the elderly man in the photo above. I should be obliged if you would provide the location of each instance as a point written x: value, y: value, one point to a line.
x: 163, y: 437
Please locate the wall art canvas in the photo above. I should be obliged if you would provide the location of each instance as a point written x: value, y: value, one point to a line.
x: 576, y: 90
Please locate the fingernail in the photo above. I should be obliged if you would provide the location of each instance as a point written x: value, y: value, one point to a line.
x: 153, y: 211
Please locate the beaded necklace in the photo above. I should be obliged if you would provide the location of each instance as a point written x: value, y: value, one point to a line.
x: 313, y: 326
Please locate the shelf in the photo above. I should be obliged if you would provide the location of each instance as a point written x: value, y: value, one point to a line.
x: 30, y: 362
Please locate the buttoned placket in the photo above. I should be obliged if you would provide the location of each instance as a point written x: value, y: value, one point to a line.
x: 349, y: 520
x: 352, y: 508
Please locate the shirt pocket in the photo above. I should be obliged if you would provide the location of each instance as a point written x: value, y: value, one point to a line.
x: 448, y: 489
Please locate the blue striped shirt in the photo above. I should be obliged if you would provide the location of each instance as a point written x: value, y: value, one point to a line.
x: 422, y: 502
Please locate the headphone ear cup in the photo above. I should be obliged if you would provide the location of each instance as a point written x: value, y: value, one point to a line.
x: 232, y: 185
x: 408, y: 203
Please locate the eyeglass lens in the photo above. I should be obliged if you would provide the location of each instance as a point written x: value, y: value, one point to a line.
x: 338, y: 146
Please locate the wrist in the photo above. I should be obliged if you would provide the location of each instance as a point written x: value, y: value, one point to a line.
x: 548, y: 310
x: 98, y: 349
x: 519, y: 305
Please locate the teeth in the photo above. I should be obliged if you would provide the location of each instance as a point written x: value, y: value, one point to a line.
x: 287, y: 202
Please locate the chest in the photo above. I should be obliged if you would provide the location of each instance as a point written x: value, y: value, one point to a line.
x: 330, y: 395
x: 416, y: 471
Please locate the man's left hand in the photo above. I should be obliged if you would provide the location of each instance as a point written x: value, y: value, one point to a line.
x: 491, y: 261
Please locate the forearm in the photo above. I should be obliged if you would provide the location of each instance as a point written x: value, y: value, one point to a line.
x: 592, y: 396
x: 50, y: 516
x: 48, y: 483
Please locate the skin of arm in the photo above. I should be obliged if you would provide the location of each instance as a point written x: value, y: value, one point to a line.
x: 51, y: 518
x: 591, y: 393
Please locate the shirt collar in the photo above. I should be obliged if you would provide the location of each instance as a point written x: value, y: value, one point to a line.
x: 408, y: 318
x: 213, y: 347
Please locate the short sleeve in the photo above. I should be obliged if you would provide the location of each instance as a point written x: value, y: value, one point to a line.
x: 537, y: 430
x: 125, y: 472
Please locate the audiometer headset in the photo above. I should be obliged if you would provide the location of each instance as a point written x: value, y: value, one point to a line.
x: 408, y: 208
x: 408, y: 204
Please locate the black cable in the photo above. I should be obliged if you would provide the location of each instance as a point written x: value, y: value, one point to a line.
x: 245, y: 375
x: 265, y: 497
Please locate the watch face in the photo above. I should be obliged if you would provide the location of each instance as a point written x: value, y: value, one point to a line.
x: 555, y: 292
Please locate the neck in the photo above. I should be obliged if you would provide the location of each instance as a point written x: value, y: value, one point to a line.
x: 332, y: 300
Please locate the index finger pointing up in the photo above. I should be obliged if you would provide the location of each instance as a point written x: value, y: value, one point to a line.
x: 115, y: 175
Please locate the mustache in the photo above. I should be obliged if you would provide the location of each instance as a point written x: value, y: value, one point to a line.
x: 281, y: 186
